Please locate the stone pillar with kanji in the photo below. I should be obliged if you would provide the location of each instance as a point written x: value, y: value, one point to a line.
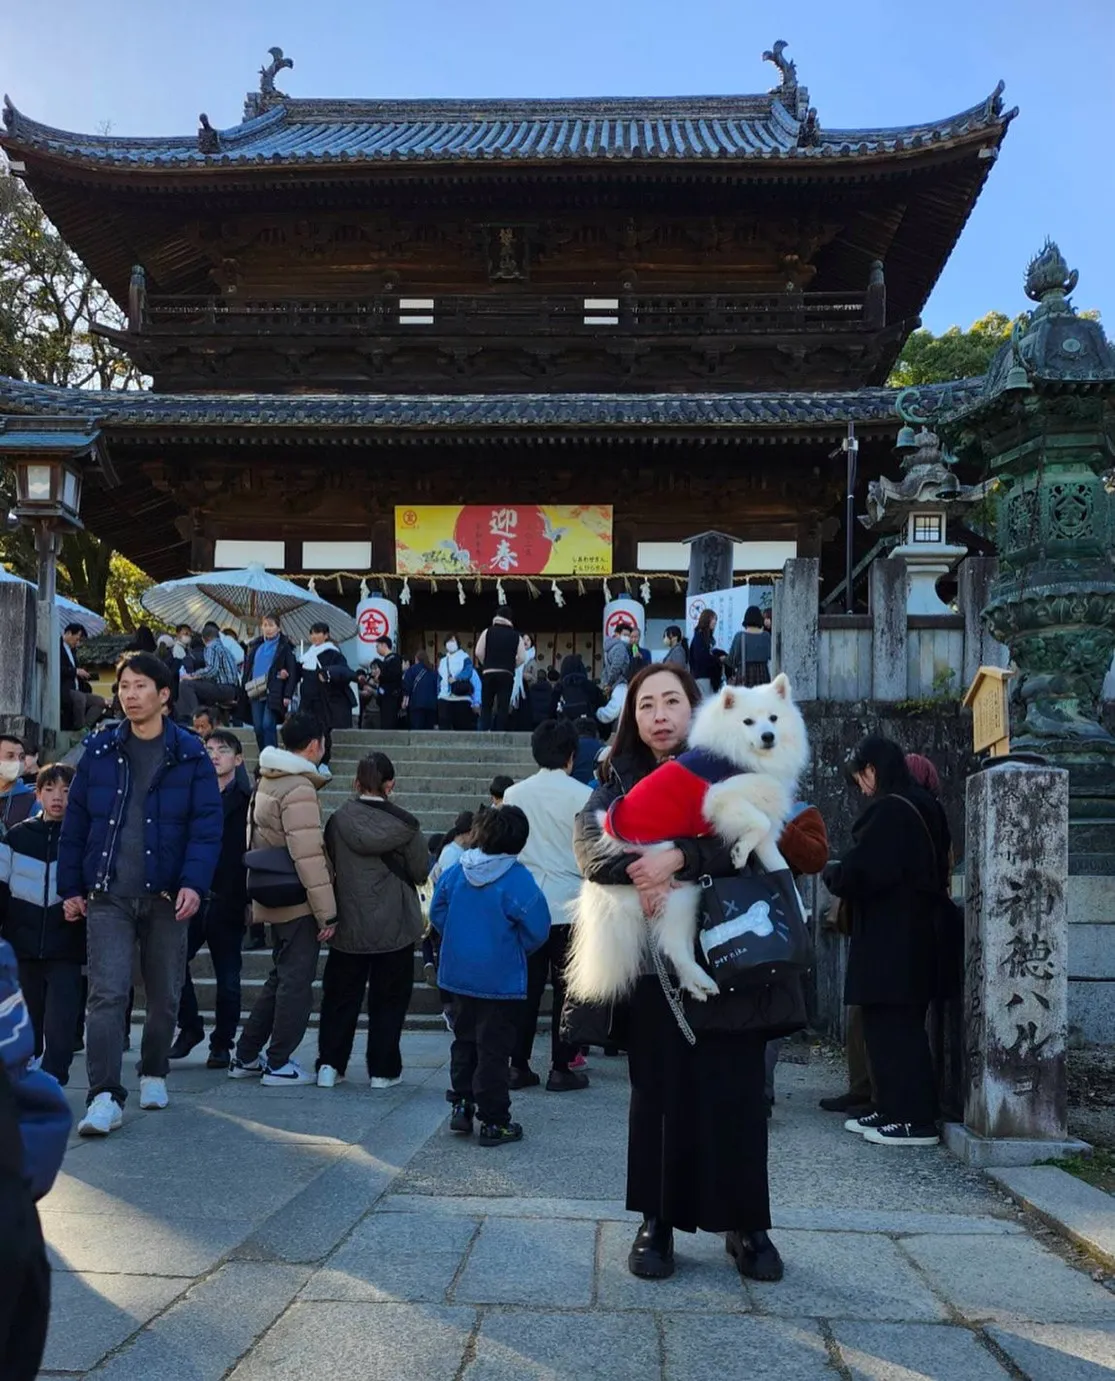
x: 1016, y: 967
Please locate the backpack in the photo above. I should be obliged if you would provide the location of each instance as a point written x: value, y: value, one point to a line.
x: 44, y: 1115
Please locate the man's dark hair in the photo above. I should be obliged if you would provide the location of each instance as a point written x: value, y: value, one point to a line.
x: 210, y: 632
x: 385, y: 641
x: 228, y: 738
x: 586, y: 727
x: 145, y: 664
x: 499, y: 785
x: 553, y: 743
x: 462, y: 825
x: 11, y: 738
x: 373, y: 772
x: 503, y: 831
x: 76, y: 628
x: 553, y: 675
x: 320, y: 628
x: 299, y: 731
x: 183, y: 628
x: 213, y: 714
x: 52, y: 773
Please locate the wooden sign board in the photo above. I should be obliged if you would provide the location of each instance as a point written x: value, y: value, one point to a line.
x: 987, y: 699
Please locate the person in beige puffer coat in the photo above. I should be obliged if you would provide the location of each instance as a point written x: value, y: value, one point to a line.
x: 285, y: 813
x: 381, y: 858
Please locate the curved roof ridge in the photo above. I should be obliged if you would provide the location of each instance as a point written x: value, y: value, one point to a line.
x: 22, y: 128
x: 983, y: 113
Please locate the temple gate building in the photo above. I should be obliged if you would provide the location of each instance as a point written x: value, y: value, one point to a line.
x: 658, y: 315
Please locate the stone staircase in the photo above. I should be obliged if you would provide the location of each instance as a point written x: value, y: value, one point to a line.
x: 437, y: 776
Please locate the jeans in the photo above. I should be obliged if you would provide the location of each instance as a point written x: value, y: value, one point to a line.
x: 484, y: 1032
x: 191, y: 694
x: 495, y: 700
x: 223, y: 934
x: 547, y: 962
x: 265, y: 724
x: 114, y: 926
x: 389, y: 980
x: 52, y: 990
x: 282, y: 1010
x: 455, y: 714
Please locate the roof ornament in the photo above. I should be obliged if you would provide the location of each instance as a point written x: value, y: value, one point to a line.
x: 9, y: 111
x: 794, y: 97
x: 1048, y: 276
x: 809, y: 136
x: 208, y: 140
x: 268, y: 95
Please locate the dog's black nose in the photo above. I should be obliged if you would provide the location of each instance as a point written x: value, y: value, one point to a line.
x: 768, y: 739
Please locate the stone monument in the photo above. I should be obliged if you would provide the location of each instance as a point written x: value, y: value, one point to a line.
x: 1016, y: 968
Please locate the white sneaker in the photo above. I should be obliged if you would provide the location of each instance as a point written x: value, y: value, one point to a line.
x: 152, y: 1092
x: 291, y: 1073
x: 376, y: 1082
x: 252, y: 1070
x: 102, y: 1116
x: 327, y: 1076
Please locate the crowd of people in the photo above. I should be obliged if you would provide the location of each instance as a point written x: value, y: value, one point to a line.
x: 158, y: 841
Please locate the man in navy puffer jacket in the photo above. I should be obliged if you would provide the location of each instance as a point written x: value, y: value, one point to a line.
x: 139, y: 847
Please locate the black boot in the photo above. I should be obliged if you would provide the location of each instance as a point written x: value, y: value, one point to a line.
x: 755, y: 1255
x: 652, y: 1252
x: 184, y: 1042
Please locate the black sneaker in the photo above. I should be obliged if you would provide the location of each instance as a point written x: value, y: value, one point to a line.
x: 461, y: 1121
x: 565, y: 1081
x: 492, y: 1134
x: 903, y: 1134
x: 522, y: 1078
x: 184, y: 1042
x: 218, y: 1059
x: 861, y: 1125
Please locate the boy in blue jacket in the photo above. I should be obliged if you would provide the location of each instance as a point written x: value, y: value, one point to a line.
x: 490, y: 914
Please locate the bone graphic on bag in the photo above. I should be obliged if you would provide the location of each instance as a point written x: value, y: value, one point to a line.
x: 754, y: 921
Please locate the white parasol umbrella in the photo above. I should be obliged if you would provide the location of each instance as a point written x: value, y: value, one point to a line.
x: 68, y: 609
x: 239, y: 599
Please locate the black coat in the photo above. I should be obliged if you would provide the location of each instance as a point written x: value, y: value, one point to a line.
x: 892, y: 875
x: 777, y: 1009
x: 327, y: 692
x: 230, y: 881
x: 278, y: 689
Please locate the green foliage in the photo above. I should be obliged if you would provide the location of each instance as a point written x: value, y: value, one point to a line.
x: 49, y: 302
x: 956, y: 354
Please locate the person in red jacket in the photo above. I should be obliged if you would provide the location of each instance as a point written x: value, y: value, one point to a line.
x: 804, y: 844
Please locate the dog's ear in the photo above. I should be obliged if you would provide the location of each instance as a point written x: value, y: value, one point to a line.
x: 781, y: 684
x: 729, y: 699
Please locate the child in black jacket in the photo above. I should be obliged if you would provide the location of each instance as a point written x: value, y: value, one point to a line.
x: 50, y: 949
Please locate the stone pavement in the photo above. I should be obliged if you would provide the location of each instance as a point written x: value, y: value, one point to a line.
x: 269, y: 1233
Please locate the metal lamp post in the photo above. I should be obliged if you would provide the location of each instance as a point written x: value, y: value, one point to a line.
x: 48, y: 457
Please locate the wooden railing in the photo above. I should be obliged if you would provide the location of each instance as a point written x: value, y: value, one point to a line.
x: 501, y: 314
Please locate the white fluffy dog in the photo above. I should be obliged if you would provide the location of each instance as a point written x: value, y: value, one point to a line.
x: 747, y: 748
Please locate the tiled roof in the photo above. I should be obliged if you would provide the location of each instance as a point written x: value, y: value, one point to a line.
x: 137, y: 410
x: 697, y: 128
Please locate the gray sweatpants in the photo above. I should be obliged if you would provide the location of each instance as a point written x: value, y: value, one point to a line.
x: 282, y: 1010
x: 114, y: 926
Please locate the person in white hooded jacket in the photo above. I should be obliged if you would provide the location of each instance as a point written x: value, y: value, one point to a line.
x: 455, y: 688
x: 326, y: 685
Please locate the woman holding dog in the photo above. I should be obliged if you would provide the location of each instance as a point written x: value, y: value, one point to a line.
x: 697, y: 1138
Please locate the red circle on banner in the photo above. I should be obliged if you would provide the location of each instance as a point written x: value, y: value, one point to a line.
x: 503, y: 541
x: 373, y: 625
x: 616, y: 617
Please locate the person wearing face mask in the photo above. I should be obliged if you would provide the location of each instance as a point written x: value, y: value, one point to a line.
x: 455, y: 687
x: 17, y: 798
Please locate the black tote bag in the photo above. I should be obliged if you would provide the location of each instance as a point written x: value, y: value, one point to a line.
x: 751, y: 930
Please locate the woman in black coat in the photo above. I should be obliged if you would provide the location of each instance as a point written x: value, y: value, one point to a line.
x: 697, y: 1133
x: 894, y: 875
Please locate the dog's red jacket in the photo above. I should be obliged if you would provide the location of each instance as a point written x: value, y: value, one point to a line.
x: 668, y: 802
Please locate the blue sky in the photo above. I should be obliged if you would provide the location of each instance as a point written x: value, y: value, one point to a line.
x: 149, y: 67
